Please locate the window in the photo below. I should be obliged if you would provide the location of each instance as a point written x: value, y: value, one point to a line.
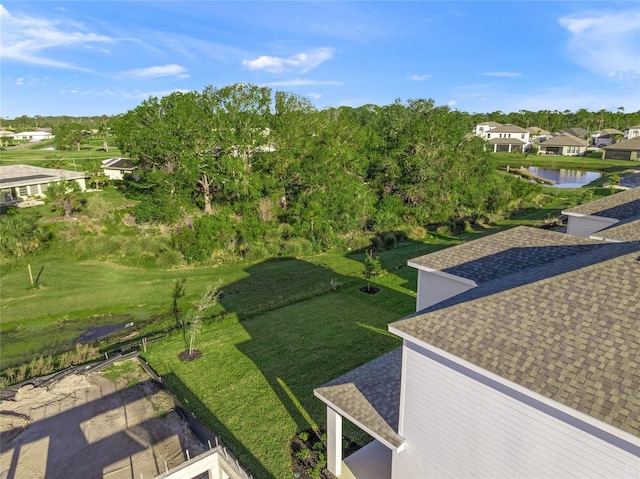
x: 23, y: 191
x: 43, y: 188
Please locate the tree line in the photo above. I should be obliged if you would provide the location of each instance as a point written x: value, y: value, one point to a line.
x: 244, y: 167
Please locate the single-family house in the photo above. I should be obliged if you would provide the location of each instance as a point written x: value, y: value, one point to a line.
x: 116, y: 168
x: 623, y: 150
x: 605, y: 137
x: 19, y: 183
x: 521, y: 360
x: 33, y: 135
x: 504, y: 138
x: 538, y: 134
x: 481, y: 129
x: 577, y: 132
x: 633, y: 132
x: 563, y: 144
x: 586, y: 219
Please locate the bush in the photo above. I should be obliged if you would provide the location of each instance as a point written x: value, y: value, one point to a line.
x: 297, y: 247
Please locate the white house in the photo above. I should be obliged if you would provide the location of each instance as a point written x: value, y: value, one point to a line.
x: 633, y: 132
x: 116, y: 168
x: 33, y: 135
x: 505, y: 138
x: 19, y: 183
x: 521, y: 361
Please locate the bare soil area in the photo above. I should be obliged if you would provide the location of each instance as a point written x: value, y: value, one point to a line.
x: 87, y: 426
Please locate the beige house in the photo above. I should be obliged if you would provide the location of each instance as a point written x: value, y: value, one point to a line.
x: 521, y: 361
x: 21, y: 183
x: 564, y: 144
x: 623, y: 150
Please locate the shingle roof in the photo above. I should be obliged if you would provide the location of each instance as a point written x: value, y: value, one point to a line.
x: 564, y: 140
x: 572, y: 337
x: 629, y: 231
x: 506, y: 141
x: 508, y: 128
x: 505, y: 253
x: 620, y: 206
x: 630, y: 144
x: 370, y: 395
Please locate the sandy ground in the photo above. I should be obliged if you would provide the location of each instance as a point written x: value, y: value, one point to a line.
x: 86, y: 426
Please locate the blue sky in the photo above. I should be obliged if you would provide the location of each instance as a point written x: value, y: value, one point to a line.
x: 92, y: 58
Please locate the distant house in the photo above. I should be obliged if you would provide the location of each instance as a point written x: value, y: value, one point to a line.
x: 605, y: 137
x: 33, y: 135
x: 589, y: 218
x: 20, y: 183
x: 503, y: 138
x: 521, y: 361
x: 564, y: 144
x: 577, y: 132
x: 634, y: 132
x: 538, y: 134
x: 481, y: 129
x: 623, y: 150
x: 116, y: 168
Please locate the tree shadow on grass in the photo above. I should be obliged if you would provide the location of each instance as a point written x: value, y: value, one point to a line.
x: 302, y: 345
x: 207, y: 422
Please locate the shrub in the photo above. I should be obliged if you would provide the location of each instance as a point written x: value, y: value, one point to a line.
x: 169, y: 258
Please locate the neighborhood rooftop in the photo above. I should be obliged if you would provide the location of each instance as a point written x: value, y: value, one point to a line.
x: 505, y: 253
x: 19, y: 175
x: 621, y: 206
x: 369, y: 396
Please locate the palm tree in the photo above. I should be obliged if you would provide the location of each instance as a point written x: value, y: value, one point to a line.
x: 103, y: 131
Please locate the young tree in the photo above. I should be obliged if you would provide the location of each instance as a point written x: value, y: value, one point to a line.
x: 192, y: 325
x: 372, y: 268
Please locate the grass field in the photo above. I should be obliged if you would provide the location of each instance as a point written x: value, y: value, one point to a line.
x: 283, y: 326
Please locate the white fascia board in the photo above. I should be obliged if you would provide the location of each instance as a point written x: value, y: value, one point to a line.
x: 595, y: 217
x: 442, y: 273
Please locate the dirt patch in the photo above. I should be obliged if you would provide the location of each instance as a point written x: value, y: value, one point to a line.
x: 90, y: 426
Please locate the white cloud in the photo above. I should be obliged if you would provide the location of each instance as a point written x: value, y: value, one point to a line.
x: 605, y: 42
x: 302, y: 62
x: 158, y: 71
x: 502, y: 74
x: 315, y: 96
x: 303, y: 82
x: 32, y: 40
x: 19, y: 81
x: 419, y: 77
x: 452, y: 103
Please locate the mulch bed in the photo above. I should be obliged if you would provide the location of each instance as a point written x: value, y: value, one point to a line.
x: 369, y: 290
x: 185, y: 356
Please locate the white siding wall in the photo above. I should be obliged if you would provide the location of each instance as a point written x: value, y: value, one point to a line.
x: 456, y: 426
x: 433, y: 288
x: 586, y: 225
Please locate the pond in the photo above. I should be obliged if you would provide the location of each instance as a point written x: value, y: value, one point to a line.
x: 566, y: 178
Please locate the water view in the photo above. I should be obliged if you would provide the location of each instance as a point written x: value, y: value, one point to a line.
x: 566, y: 178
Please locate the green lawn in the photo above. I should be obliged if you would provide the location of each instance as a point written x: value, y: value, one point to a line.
x: 279, y: 331
x: 254, y: 383
x: 38, y: 155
